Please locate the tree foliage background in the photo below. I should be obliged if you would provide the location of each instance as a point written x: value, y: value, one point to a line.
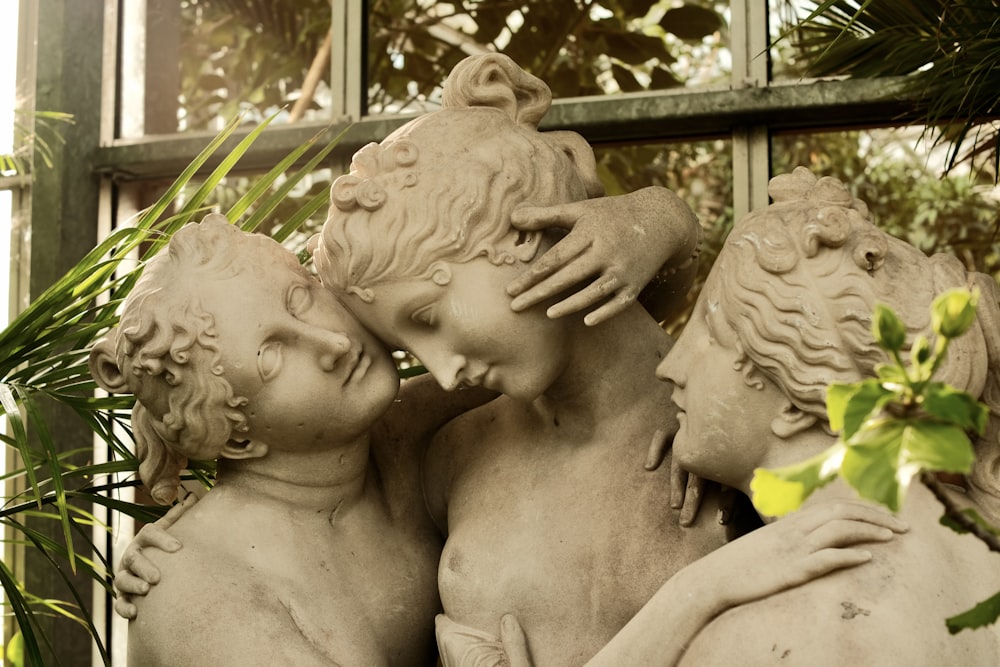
x: 605, y: 47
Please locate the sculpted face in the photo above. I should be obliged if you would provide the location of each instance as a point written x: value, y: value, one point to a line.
x: 465, y: 332
x: 725, y: 424
x: 309, y: 370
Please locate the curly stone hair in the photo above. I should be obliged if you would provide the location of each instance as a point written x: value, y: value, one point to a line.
x: 797, y: 283
x: 429, y: 194
x: 165, y: 351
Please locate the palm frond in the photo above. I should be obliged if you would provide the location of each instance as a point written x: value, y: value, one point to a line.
x: 949, y: 50
x: 43, y: 358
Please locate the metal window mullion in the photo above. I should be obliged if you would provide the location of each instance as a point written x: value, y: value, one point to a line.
x: 751, y: 146
x: 346, y: 58
x: 111, y: 627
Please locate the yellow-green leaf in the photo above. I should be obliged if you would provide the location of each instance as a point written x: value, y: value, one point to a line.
x: 888, y: 329
x: 871, y: 463
x: 849, y: 405
x: 951, y: 405
x: 953, y: 312
x: 934, y: 445
x: 779, y: 491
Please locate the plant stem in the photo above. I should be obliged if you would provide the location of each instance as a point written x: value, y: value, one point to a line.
x: 955, y: 513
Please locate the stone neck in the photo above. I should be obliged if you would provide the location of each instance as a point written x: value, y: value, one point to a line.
x: 611, y: 369
x: 319, y: 481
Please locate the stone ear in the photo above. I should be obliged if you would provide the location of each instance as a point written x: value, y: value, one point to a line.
x: 104, y: 365
x: 581, y: 154
x: 792, y: 421
x: 525, y: 244
x: 247, y: 449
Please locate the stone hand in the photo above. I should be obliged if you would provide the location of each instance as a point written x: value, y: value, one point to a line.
x: 136, y: 572
x: 618, y: 243
x: 801, y: 547
x: 515, y: 643
x: 686, y: 489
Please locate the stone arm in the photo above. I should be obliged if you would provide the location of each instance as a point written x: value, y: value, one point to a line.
x: 423, y: 407
x: 646, y: 241
x: 400, y: 439
x: 782, y: 555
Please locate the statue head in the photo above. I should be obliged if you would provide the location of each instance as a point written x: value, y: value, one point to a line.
x: 442, y: 187
x: 438, y: 194
x: 791, y: 297
x: 232, y: 348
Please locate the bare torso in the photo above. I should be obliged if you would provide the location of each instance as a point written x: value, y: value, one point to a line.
x: 559, y: 524
x: 274, y: 587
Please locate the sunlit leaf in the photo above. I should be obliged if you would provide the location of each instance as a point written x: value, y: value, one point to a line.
x: 849, y: 405
x: 778, y: 491
x: 949, y: 404
x: 14, y: 652
x: 891, y: 374
x: 871, y: 463
x: 934, y: 445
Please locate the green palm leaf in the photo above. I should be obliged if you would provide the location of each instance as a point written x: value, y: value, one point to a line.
x: 949, y: 50
x: 43, y: 357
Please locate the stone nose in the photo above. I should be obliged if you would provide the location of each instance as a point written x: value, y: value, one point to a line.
x: 330, y: 346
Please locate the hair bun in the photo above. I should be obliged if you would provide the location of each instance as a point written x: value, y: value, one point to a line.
x: 494, y: 80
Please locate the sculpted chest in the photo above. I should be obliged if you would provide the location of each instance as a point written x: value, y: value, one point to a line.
x: 584, y: 541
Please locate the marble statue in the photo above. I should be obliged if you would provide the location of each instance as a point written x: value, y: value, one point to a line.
x: 785, y: 311
x: 550, y: 515
x: 548, y: 511
x: 314, y: 547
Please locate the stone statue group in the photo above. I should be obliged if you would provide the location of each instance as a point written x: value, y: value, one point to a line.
x: 559, y: 490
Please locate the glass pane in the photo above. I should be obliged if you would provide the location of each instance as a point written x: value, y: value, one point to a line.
x: 699, y: 172
x: 786, y: 62
x: 578, y: 47
x: 198, y: 63
x: 900, y: 177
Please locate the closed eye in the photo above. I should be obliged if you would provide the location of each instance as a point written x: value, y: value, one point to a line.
x: 425, y: 316
x: 269, y: 360
x: 298, y: 299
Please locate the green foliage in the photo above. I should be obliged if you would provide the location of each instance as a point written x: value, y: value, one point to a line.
x: 253, y: 56
x: 33, y: 140
x: 984, y: 613
x: 894, y: 427
x: 908, y: 196
x: 246, y: 56
x: 778, y: 492
x: 14, y: 653
x: 949, y: 50
x: 576, y: 47
x: 43, y: 359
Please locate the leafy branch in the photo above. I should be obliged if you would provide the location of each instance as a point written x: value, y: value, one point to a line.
x: 896, y: 426
x: 43, y: 358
